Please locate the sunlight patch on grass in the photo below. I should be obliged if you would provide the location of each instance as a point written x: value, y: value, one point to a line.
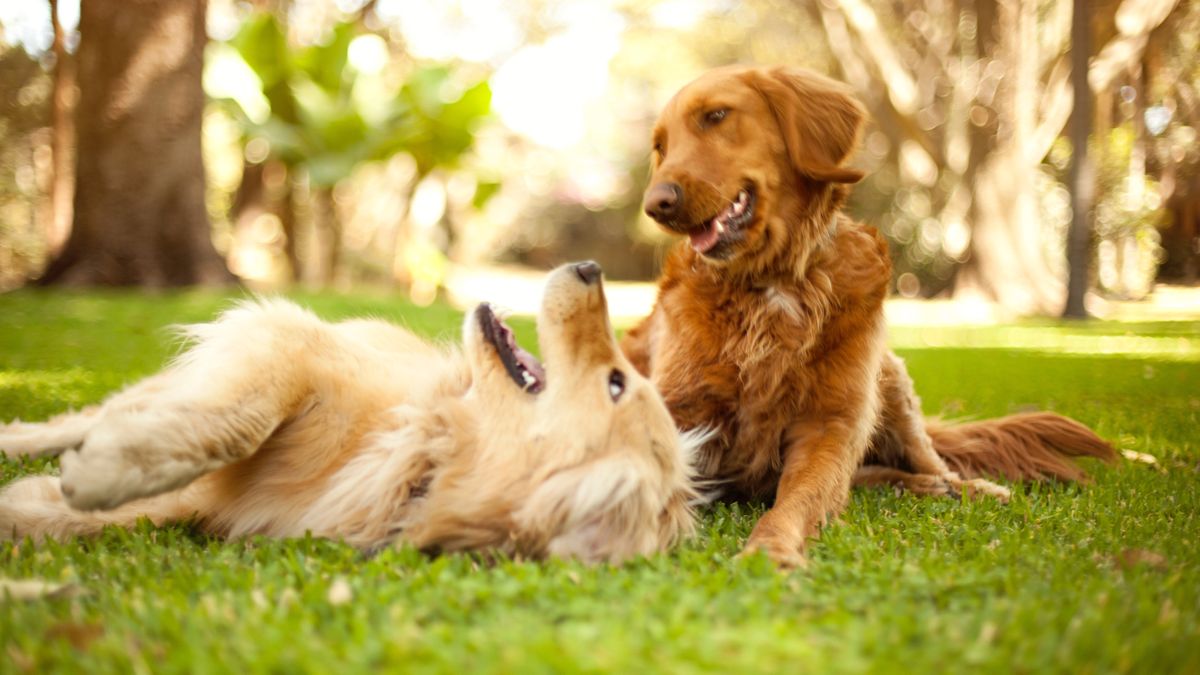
x: 33, y: 394
x: 1053, y: 340
x: 45, y: 378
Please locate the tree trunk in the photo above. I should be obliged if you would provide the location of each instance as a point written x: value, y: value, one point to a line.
x: 1007, y: 262
x: 62, y: 140
x: 327, y: 236
x: 139, y: 213
x: 287, y: 219
x: 1080, y: 179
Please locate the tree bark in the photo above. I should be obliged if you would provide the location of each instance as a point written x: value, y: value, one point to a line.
x: 327, y: 236
x: 62, y: 140
x: 1080, y: 178
x: 139, y: 212
x: 287, y: 219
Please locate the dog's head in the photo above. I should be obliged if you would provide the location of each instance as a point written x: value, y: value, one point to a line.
x: 582, y: 446
x: 739, y: 151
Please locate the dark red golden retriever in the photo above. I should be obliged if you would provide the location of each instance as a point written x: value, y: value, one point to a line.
x: 769, y: 326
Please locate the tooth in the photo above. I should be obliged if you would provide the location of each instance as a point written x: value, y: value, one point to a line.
x: 742, y: 197
x: 529, y: 379
x: 720, y: 227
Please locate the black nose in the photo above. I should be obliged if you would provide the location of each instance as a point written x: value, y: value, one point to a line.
x: 588, y: 272
x: 663, y: 201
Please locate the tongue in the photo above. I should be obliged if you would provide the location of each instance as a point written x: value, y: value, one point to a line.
x: 705, y: 238
x: 531, y: 364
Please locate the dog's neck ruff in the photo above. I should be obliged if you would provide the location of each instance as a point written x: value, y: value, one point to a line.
x: 831, y: 229
x: 824, y: 237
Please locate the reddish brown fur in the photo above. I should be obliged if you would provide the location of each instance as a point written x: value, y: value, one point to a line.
x: 1032, y: 446
x: 777, y: 342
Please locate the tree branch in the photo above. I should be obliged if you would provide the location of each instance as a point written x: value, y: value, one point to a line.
x: 842, y: 44
x: 901, y: 86
x: 1135, y: 20
x: 1057, y: 100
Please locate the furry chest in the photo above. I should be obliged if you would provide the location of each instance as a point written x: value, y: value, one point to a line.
x: 745, y: 373
x: 748, y: 378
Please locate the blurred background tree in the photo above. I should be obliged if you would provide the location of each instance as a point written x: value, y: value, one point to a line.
x: 351, y: 141
x: 327, y: 112
x: 138, y: 214
x: 972, y: 96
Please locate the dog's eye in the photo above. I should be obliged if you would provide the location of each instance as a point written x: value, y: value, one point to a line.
x: 714, y: 117
x: 616, y: 384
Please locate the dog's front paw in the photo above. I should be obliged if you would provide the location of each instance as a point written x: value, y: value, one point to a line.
x: 96, y: 481
x: 114, y: 465
x: 784, y: 554
x: 127, y: 457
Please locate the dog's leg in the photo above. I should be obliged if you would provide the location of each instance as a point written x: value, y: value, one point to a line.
x: 875, y: 475
x: 49, y: 438
x: 66, y: 431
x: 903, y: 419
x: 216, y: 405
x: 819, y: 461
x: 34, y: 507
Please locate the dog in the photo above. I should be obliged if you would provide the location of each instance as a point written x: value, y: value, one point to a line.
x: 769, y: 329
x: 276, y: 423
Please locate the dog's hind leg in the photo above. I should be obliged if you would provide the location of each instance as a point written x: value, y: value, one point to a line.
x: 217, y: 404
x: 875, y: 475
x: 34, y: 507
x: 904, y: 444
x: 948, y: 485
x: 65, y: 431
x: 49, y: 438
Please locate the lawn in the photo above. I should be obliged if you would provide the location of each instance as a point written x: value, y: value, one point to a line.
x: 1066, y: 578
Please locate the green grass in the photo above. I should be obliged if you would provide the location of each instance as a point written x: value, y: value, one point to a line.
x: 901, y: 584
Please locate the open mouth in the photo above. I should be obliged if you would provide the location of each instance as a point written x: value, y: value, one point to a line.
x: 726, y: 225
x: 524, y: 368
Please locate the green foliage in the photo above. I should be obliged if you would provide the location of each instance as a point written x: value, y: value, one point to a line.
x: 440, y: 122
x: 1127, y: 205
x: 1096, y: 578
x: 330, y: 118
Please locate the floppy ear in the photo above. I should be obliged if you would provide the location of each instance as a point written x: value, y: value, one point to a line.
x: 819, y: 119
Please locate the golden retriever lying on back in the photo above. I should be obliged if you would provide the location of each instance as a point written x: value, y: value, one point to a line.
x: 277, y: 423
x: 769, y: 327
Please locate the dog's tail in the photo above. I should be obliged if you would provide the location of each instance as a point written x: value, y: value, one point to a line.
x: 1029, y: 446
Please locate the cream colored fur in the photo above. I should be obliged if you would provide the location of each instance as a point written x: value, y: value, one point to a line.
x: 277, y: 423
